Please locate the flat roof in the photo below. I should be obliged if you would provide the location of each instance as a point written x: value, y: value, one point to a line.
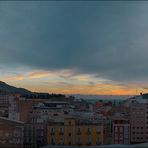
x: 4, y: 119
x: 141, y: 145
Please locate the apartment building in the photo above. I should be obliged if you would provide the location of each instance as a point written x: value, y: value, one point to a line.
x: 30, y: 137
x: 11, y: 133
x: 121, y: 130
x: 139, y: 122
x: 71, y: 133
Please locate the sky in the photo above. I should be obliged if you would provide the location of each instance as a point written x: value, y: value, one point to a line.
x: 75, y: 47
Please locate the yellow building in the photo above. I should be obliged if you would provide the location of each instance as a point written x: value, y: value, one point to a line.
x: 70, y: 133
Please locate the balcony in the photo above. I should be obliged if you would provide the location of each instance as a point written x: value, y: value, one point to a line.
x: 79, y: 133
x: 52, y: 133
x: 98, y: 132
x: 60, y: 143
x: 98, y: 143
x: 88, y: 132
x: 61, y: 133
x: 52, y: 143
x: 88, y: 143
x: 79, y: 143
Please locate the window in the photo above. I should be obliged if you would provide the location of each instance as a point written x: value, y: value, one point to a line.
x: 88, y: 138
x: 61, y: 141
x: 79, y: 129
x: 116, y: 136
x: 98, y: 141
x: 52, y: 129
x: 116, y: 129
x: 88, y: 129
x: 60, y: 129
x: 52, y: 140
x: 98, y: 129
x: 79, y: 139
x: 121, y: 129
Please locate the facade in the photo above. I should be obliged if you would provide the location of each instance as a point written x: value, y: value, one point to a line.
x: 13, y: 108
x: 4, y: 104
x: 4, y: 100
x: 8, y: 106
x: 30, y: 136
x: 139, y: 122
x: 41, y: 134
x: 35, y: 130
x: 71, y: 133
x: 24, y: 107
x: 11, y: 133
x: 121, y: 130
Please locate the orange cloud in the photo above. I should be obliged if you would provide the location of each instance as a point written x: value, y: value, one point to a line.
x: 65, y: 81
x: 13, y: 78
x: 37, y: 74
x: 98, y: 89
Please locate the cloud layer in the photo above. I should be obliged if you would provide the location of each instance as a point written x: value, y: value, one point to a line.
x: 105, y: 39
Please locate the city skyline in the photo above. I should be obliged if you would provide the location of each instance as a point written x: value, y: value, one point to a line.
x: 75, y: 47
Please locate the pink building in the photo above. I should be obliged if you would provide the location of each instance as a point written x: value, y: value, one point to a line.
x: 121, y: 130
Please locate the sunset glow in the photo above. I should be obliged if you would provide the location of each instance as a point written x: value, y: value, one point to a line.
x: 66, y: 82
x: 75, y: 47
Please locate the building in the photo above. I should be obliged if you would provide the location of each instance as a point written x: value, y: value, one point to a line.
x: 41, y: 134
x: 11, y: 133
x: 13, y: 108
x: 71, y: 133
x: 4, y: 104
x: 121, y: 130
x: 30, y: 140
x: 141, y: 145
x: 97, y: 105
x: 139, y: 122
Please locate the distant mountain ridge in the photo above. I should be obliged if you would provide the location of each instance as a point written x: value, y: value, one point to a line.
x: 28, y: 94
x: 102, y: 97
x: 8, y: 89
x: 11, y: 89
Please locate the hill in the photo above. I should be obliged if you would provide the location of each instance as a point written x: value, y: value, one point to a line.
x: 11, y: 89
x: 8, y: 89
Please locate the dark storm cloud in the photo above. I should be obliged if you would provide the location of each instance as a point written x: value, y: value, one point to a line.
x: 108, y: 39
